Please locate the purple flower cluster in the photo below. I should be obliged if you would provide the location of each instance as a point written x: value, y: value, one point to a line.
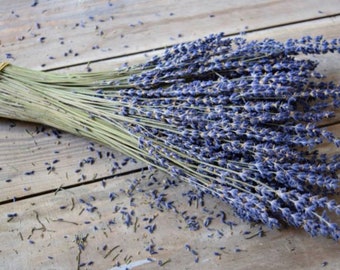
x: 235, y: 118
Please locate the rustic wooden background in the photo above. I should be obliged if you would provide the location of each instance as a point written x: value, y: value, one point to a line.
x: 55, y: 226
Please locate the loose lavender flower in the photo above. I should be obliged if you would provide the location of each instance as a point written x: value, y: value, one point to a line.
x: 236, y: 119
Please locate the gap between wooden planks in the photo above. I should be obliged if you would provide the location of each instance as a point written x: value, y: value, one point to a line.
x: 43, y: 234
x: 26, y: 156
x: 28, y: 151
x: 34, y: 34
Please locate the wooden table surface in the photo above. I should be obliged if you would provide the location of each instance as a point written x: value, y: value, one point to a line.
x: 68, y: 218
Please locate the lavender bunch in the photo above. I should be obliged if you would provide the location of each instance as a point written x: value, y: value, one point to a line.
x: 236, y: 119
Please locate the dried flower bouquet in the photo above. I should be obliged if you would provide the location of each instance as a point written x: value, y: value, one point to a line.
x: 236, y: 119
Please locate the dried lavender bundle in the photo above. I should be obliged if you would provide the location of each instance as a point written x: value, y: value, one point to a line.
x: 235, y: 119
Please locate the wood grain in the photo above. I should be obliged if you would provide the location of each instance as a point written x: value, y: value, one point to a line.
x: 285, y: 249
x: 125, y: 27
x: 24, y: 150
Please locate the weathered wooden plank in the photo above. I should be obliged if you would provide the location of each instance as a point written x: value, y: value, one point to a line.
x: 43, y: 234
x: 32, y: 162
x: 35, y: 34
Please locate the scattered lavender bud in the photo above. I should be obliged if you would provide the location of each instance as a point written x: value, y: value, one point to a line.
x: 220, y: 233
x: 111, y: 222
x: 207, y: 221
x: 100, y: 155
x: 29, y: 172
x: 81, y: 201
x: 35, y: 3
x: 112, y: 196
x: 150, y: 228
x: 194, y: 252
x: 9, y: 56
x: 222, y: 215
x: 12, y: 215
x: 151, y: 248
